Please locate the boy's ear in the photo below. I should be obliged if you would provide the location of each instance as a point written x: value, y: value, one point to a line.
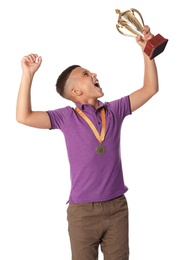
x: 76, y: 92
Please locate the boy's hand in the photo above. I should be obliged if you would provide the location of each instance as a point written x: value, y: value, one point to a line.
x: 147, y: 36
x: 31, y: 63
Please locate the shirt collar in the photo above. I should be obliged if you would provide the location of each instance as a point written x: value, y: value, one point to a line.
x: 84, y: 106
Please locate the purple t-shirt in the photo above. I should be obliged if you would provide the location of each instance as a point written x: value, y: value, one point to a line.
x: 94, y: 177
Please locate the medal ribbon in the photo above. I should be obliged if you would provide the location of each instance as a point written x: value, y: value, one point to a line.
x: 100, y: 137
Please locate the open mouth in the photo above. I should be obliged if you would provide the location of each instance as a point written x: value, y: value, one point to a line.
x: 96, y: 84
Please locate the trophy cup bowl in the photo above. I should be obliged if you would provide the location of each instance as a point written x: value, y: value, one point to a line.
x: 130, y: 23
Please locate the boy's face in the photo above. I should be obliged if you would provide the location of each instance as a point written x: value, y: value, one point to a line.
x: 86, y: 83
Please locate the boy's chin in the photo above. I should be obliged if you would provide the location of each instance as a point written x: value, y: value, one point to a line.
x: 101, y: 95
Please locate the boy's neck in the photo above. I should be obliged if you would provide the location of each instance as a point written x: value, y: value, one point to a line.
x: 93, y: 103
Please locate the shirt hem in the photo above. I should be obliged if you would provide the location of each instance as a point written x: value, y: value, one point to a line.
x: 70, y: 201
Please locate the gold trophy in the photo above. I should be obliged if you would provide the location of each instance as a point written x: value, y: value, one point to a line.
x: 130, y: 23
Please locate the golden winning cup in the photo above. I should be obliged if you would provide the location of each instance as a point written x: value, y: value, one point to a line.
x: 130, y: 23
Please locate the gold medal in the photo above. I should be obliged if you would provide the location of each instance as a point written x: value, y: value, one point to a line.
x: 100, y: 149
x: 100, y: 137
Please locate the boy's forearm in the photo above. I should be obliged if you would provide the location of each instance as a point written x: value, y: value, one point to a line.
x: 23, y: 108
x: 150, y: 75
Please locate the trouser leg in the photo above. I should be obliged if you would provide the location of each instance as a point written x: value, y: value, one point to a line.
x: 94, y: 224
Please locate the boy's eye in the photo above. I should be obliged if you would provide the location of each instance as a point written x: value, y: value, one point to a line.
x: 86, y: 74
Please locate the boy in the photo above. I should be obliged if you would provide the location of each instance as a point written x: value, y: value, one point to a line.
x: 97, y: 212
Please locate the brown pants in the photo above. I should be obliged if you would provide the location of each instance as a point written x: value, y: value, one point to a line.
x: 99, y: 223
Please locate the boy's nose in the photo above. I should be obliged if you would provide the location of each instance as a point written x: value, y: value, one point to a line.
x: 94, y: 75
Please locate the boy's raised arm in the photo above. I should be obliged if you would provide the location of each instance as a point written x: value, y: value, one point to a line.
x: 24, y: 114
x: 150, y: 79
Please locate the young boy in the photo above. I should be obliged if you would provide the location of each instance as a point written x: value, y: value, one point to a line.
x: 97, y: 212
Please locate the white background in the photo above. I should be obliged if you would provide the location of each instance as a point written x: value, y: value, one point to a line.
x: 34, y: 170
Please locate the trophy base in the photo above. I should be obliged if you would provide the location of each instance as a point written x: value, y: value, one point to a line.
x: 155, y: 46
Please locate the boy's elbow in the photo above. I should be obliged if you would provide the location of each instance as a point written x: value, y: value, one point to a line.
x: 155, y: 90
x: 20, y: 120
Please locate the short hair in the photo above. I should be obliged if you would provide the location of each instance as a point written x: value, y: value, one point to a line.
x: 62, y: 79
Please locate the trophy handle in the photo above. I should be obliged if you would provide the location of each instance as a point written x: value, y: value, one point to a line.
x: 136, y: 11
x: 120, y: 28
